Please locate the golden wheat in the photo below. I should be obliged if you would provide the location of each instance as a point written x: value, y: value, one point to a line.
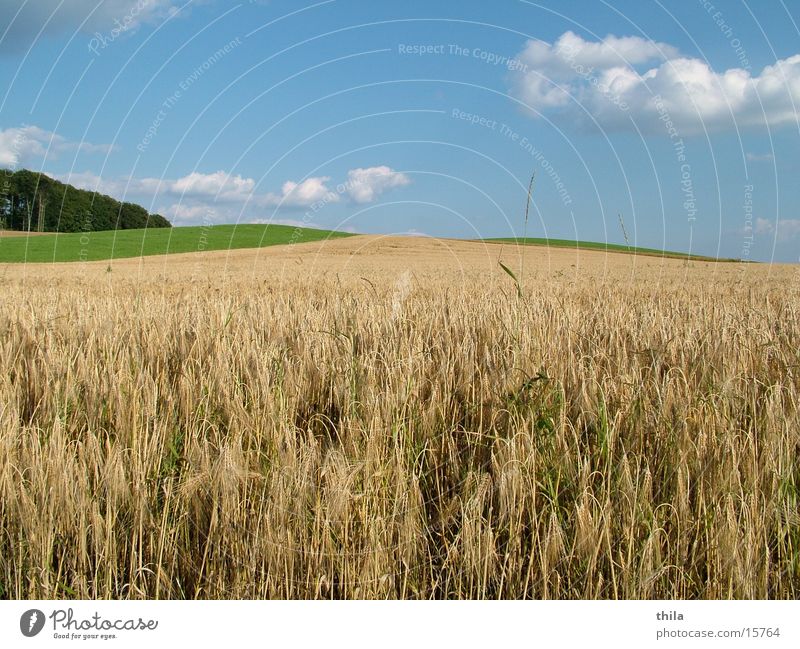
x: 392, y: 420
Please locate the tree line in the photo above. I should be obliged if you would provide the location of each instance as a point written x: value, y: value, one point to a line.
x: 33, y: 202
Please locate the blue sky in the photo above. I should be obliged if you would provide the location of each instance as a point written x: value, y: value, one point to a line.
x: 422, y: 117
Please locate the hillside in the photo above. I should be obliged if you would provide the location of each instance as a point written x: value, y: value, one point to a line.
x: 120, y: 244
x: 16, y: 246
x: 607, y: 247
x: 32, y: 201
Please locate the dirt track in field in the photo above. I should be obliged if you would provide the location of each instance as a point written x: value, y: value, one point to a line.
x: 18, y: 233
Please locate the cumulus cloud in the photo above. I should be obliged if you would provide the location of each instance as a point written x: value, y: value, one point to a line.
x: 618, y: 80
x: 552, y: 71
x: 121, y: 188
x: 302, y: 194
x: 93, y: 183
x: 25, y: 144
x: 219, y: 196
x: 297, y: 223
x: 787, y: 229
x: 182, y: 213
x: 224, y: 187
x: 365, y: 185
x: 28, y: 20
x: 219, y: 185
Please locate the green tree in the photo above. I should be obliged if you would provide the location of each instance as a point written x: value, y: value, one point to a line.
x: 27, y: 194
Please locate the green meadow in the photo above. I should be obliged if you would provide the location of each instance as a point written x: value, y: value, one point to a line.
x: 117, y: 244
x: 608, y: 247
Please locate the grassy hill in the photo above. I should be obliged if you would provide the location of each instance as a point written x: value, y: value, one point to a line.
x: 111, y: 244
x: 608, y: 247
x: 94, y: 246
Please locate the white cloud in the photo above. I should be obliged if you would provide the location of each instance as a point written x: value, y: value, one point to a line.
x: 760, y: 157
x: 764, y: 226
x: 303, y: 223
x: 219, y: 185
x: 298, y: 223
x: 219, y: 196
x: 121, y: 188
x: 787, y: 229
x: 552, y: 72
x: 182, y: 213
x: 92, y: 182
x: 22, y: 145
x: 365, y: 185
x: 28, y: 18
x: 303, y: 194
x: 16, y: 147
x: 618, y: 79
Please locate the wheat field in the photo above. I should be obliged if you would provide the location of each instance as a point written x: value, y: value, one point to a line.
x: 381, y: 417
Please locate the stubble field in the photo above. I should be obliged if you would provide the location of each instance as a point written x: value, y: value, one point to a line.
x: 387, y: 417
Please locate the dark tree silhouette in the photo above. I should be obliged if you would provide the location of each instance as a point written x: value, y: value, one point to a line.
x: 32, y: 201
